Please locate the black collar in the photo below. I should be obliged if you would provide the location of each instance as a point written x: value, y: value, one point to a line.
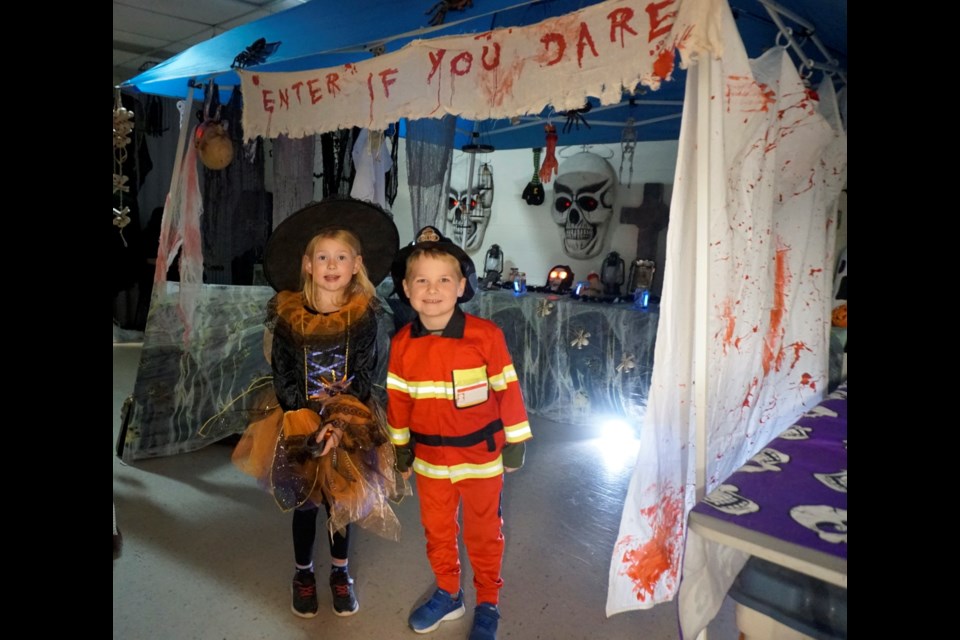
x: 454, y: 328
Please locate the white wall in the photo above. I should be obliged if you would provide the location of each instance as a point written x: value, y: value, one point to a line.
x: 527, y: 234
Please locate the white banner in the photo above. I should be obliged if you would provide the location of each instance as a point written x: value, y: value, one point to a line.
x: 598, y: 51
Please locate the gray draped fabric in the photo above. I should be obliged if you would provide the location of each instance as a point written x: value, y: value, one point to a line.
x: 429, y: 157
x: 236, y: 207
x: 292, y: 175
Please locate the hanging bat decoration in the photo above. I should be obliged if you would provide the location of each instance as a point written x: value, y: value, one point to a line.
x: 255, y: 54
x: 439, y: 10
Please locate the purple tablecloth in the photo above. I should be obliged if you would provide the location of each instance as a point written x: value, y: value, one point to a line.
x: 795, y: 488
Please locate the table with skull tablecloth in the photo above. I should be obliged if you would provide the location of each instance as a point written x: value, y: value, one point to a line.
x: 787, y: 505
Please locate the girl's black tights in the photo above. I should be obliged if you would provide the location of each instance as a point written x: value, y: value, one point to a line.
x: 305, y: 533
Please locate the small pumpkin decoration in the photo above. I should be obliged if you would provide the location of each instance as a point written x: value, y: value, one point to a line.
x: 838, y: 317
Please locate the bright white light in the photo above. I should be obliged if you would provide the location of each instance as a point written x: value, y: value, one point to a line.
x: 617, y: 443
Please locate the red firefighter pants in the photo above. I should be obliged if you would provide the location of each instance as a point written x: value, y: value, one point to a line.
x: 440, y: 501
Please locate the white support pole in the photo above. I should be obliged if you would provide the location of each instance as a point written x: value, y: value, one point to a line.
x: 701, y: 298
x: 701, y: 295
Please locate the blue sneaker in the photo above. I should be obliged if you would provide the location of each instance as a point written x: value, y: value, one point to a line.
x: 485, y: 619
x: 440, y: 607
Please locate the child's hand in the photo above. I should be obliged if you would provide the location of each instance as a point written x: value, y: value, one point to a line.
x: 329, y: 436
x: 513, y: 455
x: 404, y: 460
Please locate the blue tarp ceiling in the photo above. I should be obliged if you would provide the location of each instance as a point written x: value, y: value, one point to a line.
x: 326, y: 33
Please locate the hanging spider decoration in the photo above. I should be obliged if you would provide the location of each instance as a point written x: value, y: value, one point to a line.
x: 440, y: 9
x: 544, y: 307
x: 627, y: 364
x: 575, y: 117
x: 580, y: 339
x: 255, y: 54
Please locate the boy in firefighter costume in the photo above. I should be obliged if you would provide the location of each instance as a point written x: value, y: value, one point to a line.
x: 457, y: 418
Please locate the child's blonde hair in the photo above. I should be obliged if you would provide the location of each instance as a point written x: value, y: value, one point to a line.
x: 432, y: 252
x: 359, y: 285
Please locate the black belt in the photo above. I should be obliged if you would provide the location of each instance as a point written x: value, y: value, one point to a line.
x: 468, y: 440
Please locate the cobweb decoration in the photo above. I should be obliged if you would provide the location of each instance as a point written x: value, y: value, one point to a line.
x: 429, y: 159
x: 122, y: 130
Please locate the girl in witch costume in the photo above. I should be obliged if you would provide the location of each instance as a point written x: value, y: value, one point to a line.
x: 326, y: 443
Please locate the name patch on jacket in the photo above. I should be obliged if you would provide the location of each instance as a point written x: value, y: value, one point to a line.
x: 470, y: 387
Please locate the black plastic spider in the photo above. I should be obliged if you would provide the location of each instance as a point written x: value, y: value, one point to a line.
x: 440, y: 9
x: 575, y: 117
x: 256, y: 53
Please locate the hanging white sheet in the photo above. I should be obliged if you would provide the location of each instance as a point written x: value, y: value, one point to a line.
x: 777, y: 162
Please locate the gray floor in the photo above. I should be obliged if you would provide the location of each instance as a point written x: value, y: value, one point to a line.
x: 207, y: 555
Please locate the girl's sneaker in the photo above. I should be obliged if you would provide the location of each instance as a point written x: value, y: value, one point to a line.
x: 304, y: 591
x: 344, y: 601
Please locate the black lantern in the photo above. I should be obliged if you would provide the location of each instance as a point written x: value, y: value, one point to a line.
x: 612, y: 274
x: 492, y: 267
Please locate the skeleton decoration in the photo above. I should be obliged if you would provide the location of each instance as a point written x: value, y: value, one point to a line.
x: 583, y: 198
x: 767, y: 460
x: 726, y: 499
x: 468, y: 214
x: 830, y: 523
x: 836, y: 481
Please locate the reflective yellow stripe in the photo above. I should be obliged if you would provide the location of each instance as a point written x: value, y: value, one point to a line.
x: 396, y: 383
x: 505, y: 377
x: 399, y: 436
x: 430, y: 390
x: 459, y: 472
x: 518, y: 432
x: 443, y: 390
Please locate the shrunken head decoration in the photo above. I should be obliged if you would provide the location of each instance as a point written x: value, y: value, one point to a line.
x: 583, y: 197
x: 560, y: 279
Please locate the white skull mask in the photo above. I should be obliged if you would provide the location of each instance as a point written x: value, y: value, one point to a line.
x: 583, y: 197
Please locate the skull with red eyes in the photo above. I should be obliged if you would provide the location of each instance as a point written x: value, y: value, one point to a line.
x: 469, y: 214
x: 583, y: 197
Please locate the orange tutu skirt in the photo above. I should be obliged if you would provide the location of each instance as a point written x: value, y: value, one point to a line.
x: 357, y: 479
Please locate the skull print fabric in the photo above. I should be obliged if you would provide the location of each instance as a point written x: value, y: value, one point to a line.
x: 795, y: 488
